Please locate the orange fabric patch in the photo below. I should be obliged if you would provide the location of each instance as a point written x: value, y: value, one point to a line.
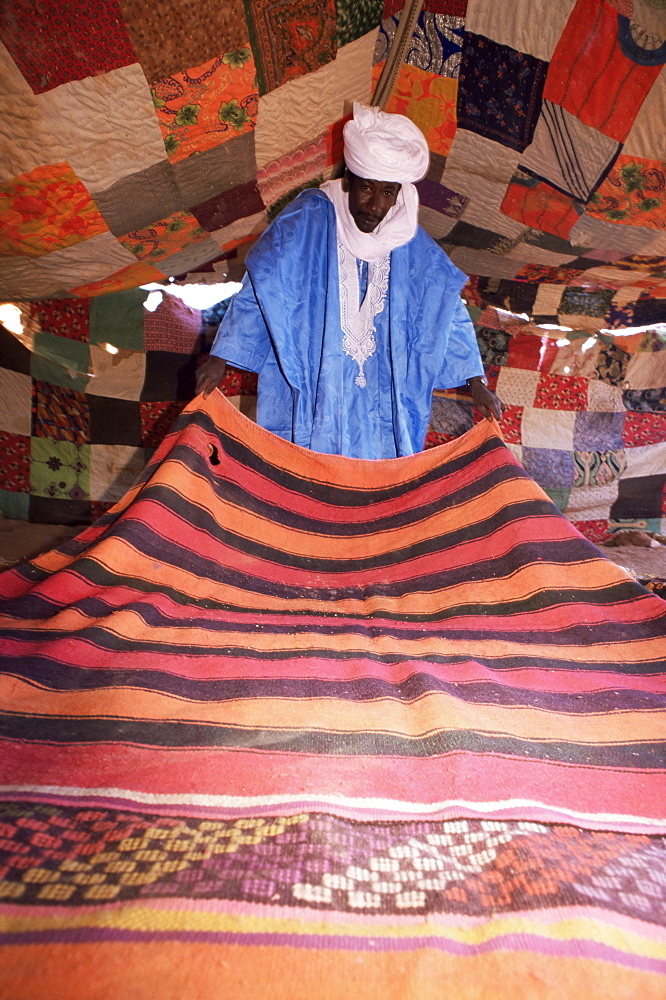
x: 590, y: 75
x: 540, y: 206
x: 130, y: 277
x: 165, y: 237
x: 46, y: 209
x: 633, y: 193
x: 428, y: 100
x: 201, y: 108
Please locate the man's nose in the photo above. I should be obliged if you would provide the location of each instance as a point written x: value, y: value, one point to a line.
x: 375, y: 203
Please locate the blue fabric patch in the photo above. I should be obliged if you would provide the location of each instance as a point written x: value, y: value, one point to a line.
x: 598, y: 431
x: 550, y: 467
x: 434, y: 46
x: 645, y: 400
x: 499, y: 94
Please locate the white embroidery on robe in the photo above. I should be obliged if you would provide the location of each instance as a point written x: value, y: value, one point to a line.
x: 358, y: 320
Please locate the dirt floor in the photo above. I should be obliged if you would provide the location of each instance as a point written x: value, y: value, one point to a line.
x: 21, y: 540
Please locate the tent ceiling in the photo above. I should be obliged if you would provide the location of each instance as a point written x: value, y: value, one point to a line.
x: 148, y: 141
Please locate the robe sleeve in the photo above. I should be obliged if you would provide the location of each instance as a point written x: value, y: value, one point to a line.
x: 242, y: 339
x: 462, y: 358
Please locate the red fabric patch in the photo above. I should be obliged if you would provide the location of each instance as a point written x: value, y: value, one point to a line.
x: 643, y: 428
x: 64, y: 317
x: 173, y: 326
x: 561, y: 392
x: 458, y: 8
x: 157, y: 420
x: 553, y: 275
x: 15, y: 462
x: 239, y: 383
x: 229, y: 206
x: 511, y: 424
x: 591, y: 77
x: 492, y: 374
x: 55, y: 43
x: 541, y: 206
x: 434, y: 438
x: 594, y: 531
x: 524, y: 352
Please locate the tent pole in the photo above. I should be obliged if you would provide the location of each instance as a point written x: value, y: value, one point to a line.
x: 396, y: 53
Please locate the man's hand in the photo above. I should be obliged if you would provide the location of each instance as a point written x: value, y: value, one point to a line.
x: 210, y: 375
x: 486, y: 402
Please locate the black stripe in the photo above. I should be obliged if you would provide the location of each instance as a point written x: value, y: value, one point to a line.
x: 339, y: 624
x: 37, y: 606
x: 53, y: 675
x: 68, y: 730
x: 111, y: 642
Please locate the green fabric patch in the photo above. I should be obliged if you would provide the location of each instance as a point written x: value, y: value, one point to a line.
x: 559, y: 496
x: 118, y: 319
x: 598, y: 468
x: 357, y: 17
x: 653, y: 524
x: 583, y: 302
x: 60, y: 360
x: 59, y: 469
x: 14, y: 505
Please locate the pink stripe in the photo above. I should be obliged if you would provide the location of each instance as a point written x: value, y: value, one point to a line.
x: 460, y: 776
x: 76, y: 652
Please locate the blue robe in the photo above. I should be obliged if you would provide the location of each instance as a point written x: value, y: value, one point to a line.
x: 285, y: 325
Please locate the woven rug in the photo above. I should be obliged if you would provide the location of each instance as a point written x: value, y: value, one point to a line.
x: 290, y: 725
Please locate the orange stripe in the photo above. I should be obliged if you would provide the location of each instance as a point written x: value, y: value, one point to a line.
x: 128, y: 625
x: 431, y: 713
x: 174, y: 971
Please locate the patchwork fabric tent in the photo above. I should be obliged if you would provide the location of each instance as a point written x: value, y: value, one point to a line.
x: 272, y: 728
x: 143, y: 141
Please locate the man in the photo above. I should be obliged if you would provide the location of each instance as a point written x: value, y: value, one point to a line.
x: 350, y: 313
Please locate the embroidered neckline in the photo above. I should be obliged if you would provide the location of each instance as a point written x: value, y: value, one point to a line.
x: 358, y: 321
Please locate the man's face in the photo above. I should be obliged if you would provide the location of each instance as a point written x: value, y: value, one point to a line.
x: 369, y: 200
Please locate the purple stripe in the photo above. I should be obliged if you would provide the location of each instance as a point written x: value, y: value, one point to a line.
x: 576, y: 947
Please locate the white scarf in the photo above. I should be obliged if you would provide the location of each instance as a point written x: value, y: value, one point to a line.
x: 396, y: 228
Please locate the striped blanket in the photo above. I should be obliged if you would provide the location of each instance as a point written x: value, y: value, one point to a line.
x: 285, y: 725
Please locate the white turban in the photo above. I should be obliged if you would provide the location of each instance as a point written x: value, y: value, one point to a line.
x: 385, y: 147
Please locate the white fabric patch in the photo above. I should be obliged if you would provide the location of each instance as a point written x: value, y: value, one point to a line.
x: 321, y: 97
x: 517, y: 25
x: 16, y: 396
x: 647, y: 370
x: 648, y: 460
x: 113, y: 469
x: 119, y: 375
x: 27, y: 139
x: 107, y: 125
x: 591, y: 503
x: 604, y: 398
x: 517, y: 386
x: 548, y: 428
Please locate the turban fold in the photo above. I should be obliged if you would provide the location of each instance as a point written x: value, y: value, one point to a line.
x: 385, y: 147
